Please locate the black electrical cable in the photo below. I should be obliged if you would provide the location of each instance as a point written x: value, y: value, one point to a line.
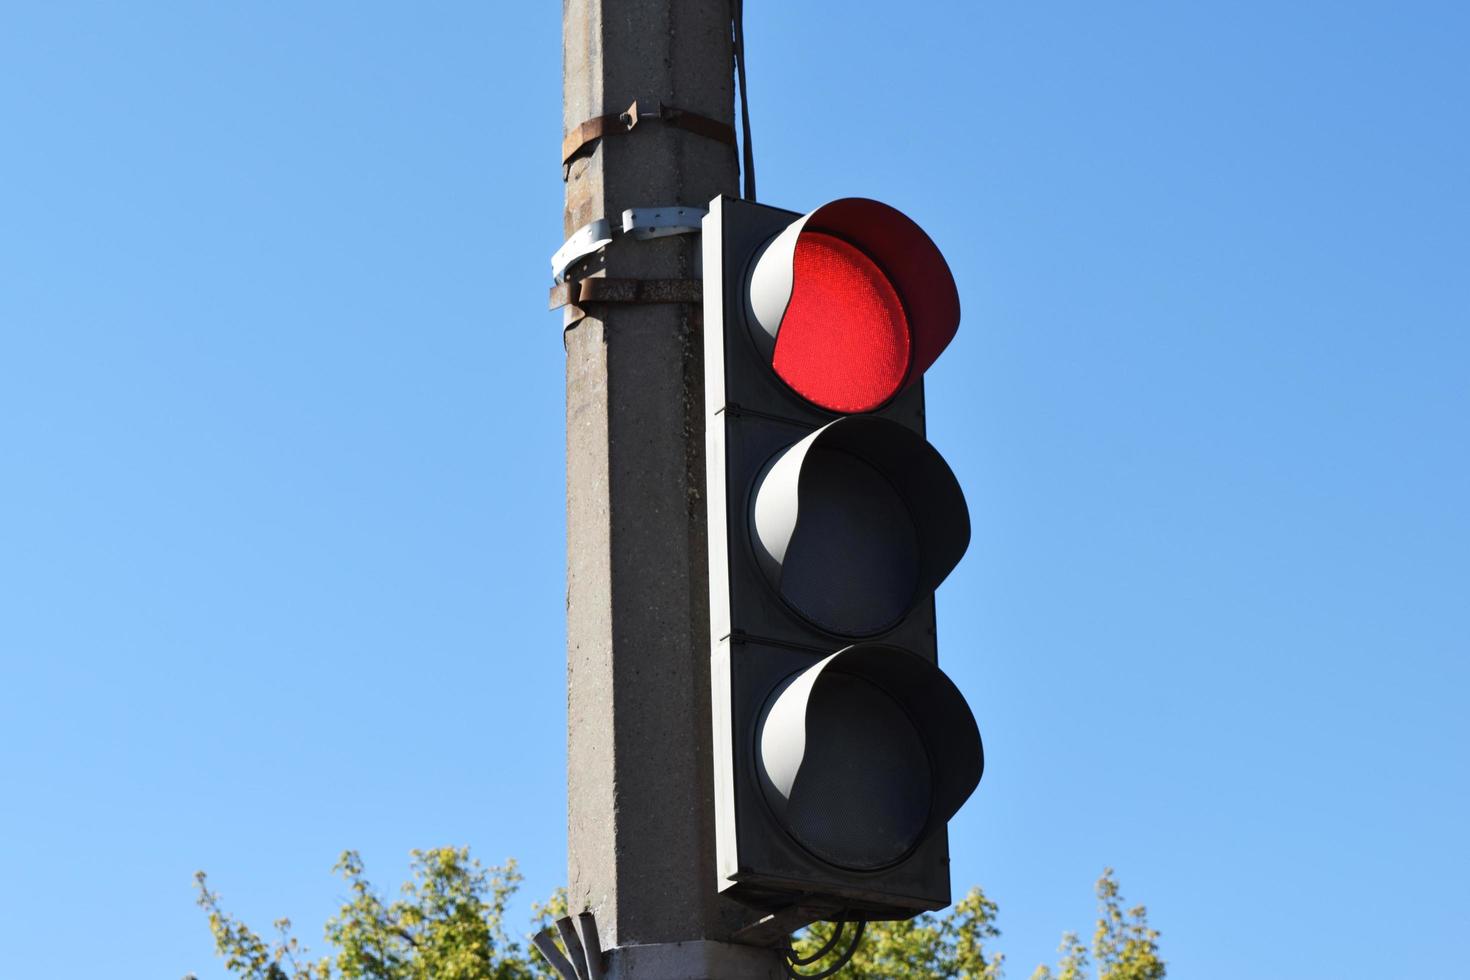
x: 748, y: 166
x: 793, y: 960
x: 826, y: 948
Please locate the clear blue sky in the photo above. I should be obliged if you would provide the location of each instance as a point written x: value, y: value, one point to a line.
x: 281, y: 527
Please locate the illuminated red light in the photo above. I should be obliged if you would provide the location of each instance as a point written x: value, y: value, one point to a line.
x: 844, y: 339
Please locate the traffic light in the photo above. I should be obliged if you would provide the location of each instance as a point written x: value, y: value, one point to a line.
x: 841, y: 750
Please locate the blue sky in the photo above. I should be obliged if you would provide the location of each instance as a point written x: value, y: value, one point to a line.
x: 281, y: 527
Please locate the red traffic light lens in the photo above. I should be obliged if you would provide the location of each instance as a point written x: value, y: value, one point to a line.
x: 850, y: 304
x: 844, y: 340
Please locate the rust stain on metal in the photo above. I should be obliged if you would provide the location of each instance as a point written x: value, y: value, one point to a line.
x: 604, y: 290
x: 623, y: 122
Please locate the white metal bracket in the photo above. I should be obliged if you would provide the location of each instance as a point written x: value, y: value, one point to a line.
x: 584, y: 241
x: 662, y: 222
x: 641, y: 223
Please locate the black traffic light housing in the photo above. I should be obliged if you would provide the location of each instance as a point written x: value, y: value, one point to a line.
x: 840, y: 748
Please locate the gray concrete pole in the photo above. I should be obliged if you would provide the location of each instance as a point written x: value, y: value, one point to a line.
x: 639, y: 784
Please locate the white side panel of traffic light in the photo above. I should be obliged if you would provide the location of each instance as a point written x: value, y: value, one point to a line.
x: 855, y: 522
x: 866, y: 753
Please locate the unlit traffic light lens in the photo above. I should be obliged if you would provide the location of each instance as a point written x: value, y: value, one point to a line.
x: 844, y: 341
x: 866, y: 752
x: 854, y: 522
x: 853, y: 563
x: 861, y: 798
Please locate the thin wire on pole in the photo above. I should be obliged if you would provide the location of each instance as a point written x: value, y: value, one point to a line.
x: 748, y: 155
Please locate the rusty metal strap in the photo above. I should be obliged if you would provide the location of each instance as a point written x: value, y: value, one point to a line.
x: 622, y: 122
x: 586, y: 292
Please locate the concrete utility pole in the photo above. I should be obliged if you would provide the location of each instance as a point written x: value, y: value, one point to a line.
x: 639, y: 782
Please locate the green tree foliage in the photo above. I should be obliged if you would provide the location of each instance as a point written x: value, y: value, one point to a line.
x: 952, y: 946
x: 1123, y: 945
x: 448, y: 924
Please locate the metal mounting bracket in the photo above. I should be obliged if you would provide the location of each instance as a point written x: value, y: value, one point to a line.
x: 624, y: 122
x: 584, y: 958
x: 644, y: 223
x: 641, y: 223
x: 584, y: 241
x: 585, y: 292
x: 774, y: 930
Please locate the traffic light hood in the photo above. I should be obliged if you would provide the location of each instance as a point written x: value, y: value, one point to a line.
x: 856, y: 521
x: 866, y: 753
x: 851, y: 303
